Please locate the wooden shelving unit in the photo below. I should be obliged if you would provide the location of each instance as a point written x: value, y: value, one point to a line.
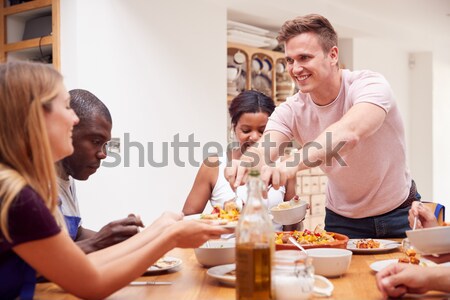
x: 279, y: 85
x: 28, y: 49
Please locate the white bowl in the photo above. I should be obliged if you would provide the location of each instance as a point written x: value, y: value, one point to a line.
x: 291, y: 215
x: 433, y: 240
x: 330, y: 262
x: 216, y: 252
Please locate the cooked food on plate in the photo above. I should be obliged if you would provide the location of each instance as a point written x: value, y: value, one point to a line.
x: 409, y: 258
x: 229, y: 213
x: 368, y: 244
x: 306, y: 237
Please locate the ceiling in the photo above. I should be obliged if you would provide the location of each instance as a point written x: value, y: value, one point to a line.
x: 419, y: 25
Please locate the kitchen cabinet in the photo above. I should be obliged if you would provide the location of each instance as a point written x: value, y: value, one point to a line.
x: 35, y: 45
x: 311, y: 187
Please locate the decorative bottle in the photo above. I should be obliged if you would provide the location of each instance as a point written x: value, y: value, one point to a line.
x: 255, y: 245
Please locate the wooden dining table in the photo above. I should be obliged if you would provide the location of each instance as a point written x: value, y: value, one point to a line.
x: 190, y: 281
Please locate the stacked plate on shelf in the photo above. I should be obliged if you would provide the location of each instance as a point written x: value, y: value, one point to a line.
x: 250, y: 35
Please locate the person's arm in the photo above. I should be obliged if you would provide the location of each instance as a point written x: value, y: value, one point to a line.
x: 336, y: 141
x: 398, y: 279
x: 84, y: 233
x: 202, y: 188
x: 256, y: 157
x: 361, y: 121
x: 112, y: 233
x: 94, y: 277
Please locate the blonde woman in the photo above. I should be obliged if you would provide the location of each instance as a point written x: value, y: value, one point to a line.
x: 35, y: 132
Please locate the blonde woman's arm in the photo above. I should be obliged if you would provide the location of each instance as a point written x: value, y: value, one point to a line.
x: 61, y: 261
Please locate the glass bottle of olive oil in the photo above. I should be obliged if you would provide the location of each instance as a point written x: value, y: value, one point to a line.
x: 254, y: 245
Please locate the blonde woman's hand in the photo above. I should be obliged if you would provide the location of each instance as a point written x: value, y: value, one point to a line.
x: 194, y: 233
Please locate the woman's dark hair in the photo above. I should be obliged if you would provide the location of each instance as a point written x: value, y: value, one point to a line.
x: 249, y: 102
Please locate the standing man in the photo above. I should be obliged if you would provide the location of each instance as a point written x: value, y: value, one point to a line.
x: 90, y: 138
x: 349, y: 124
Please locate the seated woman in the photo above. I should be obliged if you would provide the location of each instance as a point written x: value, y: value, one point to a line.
x: 35, y: 132
x: 249, y: 112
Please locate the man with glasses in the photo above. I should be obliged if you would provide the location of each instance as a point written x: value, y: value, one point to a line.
x: 90, y: 141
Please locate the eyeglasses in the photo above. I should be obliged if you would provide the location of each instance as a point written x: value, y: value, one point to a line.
x: 105, y: 149
x: 111, y: 146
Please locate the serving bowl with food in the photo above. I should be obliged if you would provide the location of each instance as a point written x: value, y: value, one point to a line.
x: 318, y: 238
x: 289, y: 212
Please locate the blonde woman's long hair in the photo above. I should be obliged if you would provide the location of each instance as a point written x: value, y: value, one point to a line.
x: 26, y: 91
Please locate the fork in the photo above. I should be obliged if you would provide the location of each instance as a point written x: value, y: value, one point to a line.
x: 416, y: 217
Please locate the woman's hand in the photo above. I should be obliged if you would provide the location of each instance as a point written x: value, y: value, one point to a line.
x: 425, y: 218
x: 194, y: 233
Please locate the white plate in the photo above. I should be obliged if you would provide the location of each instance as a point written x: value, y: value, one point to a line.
x: 381, y: 264
x: 229, y: 224
x: 219, y: 273
x: 433, y: 240
x: 385, y: 246
x: 164, y: 264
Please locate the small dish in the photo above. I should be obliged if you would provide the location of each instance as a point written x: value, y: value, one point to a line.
x: 381, y: 264
x: 216, y: 252
x: 257, y: 65
x: 266, y: 65
x: 330, y: 262
x: 262, y: 83
x: 221, y: 273
x: 280, y: 68
x: 164, y: 264
x: 385, y: 246
x: 286, y: 214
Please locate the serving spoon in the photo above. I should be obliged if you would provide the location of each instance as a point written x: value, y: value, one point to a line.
x: 293, y: 241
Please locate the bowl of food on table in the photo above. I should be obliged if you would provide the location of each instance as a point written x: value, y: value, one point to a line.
x: 432, y: 240
x: 330, y: 262
x: 289, y: 212
x: 318, y: 238
x: 216, y: 252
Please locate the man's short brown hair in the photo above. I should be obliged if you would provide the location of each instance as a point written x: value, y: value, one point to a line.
x: 310, y: 23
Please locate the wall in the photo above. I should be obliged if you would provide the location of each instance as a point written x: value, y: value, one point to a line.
x: 421, y: 122
x: 158, y: 66
x: 441, y: 113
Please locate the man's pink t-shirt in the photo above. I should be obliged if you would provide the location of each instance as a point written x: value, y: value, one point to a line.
x: 376, y: 179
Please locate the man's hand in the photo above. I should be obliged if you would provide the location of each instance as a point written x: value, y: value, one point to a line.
x: 111, y: 234
x: 398, y: 279
x: 279, y: 174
